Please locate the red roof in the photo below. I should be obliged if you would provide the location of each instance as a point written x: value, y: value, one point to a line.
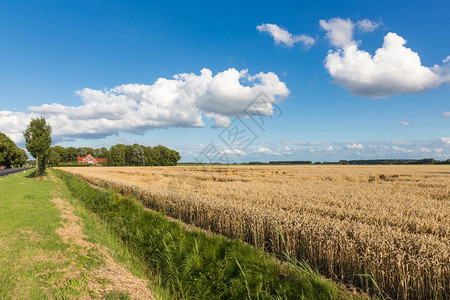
x: 94, y: 160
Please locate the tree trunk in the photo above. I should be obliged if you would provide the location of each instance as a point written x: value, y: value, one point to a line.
x: 41, y: 169
x: 40, y: 166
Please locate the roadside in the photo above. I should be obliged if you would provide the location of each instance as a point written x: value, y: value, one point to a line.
x: 5, y: 172
x: 51, y: 247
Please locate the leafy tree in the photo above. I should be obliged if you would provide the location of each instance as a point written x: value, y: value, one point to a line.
x: 21, y: 158
x: 54, y: 157
x: 59, y: 153
x: 149, y: 156
x: 117, y: 155
x: 134, y: 156
x: 10, y: 154
x: 81, y: 151
x: 71, y: 155
x: 38, y: 140
x: 103, y: 153
x: 163, y: 156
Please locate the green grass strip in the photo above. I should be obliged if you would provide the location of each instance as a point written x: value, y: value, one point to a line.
x: 196, y: 265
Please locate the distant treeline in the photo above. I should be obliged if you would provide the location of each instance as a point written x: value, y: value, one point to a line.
x: 10, y: 154
x: 117, y: 155
x: 293, y: 162
x: 424, y: 161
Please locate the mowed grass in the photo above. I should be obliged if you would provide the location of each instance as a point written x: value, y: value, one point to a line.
x: 28, y: 221
x: 34, y: 261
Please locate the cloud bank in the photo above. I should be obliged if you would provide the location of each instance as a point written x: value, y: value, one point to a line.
x: 393, y: 69
x: 282, y: 36
x: 183, y: 101
x: 330, y: 151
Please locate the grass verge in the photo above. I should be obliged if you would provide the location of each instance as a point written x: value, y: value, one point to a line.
x: 196, y: 265
x: 35, y: 263
x: 29, y: 244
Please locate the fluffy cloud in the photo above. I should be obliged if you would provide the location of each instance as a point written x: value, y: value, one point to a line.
x: 393, y: 69
x: 282, y: 36
x: 14, y: 123
x: 266, y: 150
x: 403, y: 123
x: 236, y: 152
x: 355, y: 146
x: 446, y: 114
x: 339, y: 31
x: 183, y: 101
x: 403, y: 150
x: 367, y: 25
x: 445, y: 140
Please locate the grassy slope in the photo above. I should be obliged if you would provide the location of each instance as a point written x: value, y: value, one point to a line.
x: 34, y: 262
x: 194, y: 265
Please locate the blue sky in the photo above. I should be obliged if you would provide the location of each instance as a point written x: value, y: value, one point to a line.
x: 119, y: 57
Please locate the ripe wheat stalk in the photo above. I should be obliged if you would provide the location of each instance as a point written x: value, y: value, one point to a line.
x: 392, y: 222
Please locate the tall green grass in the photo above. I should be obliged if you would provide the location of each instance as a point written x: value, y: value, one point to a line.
x: 196, y: 265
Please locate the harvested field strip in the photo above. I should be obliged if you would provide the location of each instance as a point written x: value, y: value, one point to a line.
x: 195, y: 265
x: 392, y: 222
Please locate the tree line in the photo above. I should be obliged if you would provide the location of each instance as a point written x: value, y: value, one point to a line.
x: 38, y: 142
x: 10, y: 154
x: 117, y: 155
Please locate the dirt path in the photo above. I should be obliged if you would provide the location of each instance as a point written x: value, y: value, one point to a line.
x: 113, y: 276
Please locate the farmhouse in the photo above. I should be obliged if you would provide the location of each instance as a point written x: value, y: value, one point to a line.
x: 89, y: 159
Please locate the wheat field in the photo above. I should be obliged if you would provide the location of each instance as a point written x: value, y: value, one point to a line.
x: 392, y: 222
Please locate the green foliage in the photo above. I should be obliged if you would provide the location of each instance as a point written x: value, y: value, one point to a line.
x: 117, y: 155
x: 193, y: 264
x: 83, y: 151
x: 38, y: 140
x: 54, y: 158
x: 10, y: 154
x: 164, y: 156
x: 70, y: 154
x: 134, y: 156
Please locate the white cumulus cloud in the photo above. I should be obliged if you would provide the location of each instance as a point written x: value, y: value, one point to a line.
x: 445, y: 140
x: 183, y: 101
x: 234, y: 151
x: 339, y: 31
x: 393, y: 69
x: 282, y: 36
x: 265, y: 150
x: 403, y: 123
x: 446, y: 114
x: 355, y: 146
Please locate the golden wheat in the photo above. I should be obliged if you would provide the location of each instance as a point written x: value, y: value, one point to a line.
x: 392, y: 222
